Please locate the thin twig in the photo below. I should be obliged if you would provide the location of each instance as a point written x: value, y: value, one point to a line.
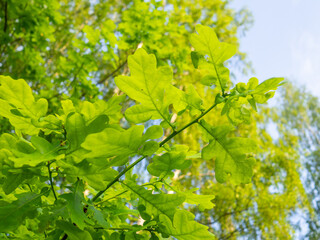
x: 51, y: 182
x: 111, y: 197
x: 118, y: 177
x: 112, y: 73
x: 5, y: 17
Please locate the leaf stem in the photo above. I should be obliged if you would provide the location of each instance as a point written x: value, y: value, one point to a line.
x: 125, y: 229
x: 112, y: 73
x: 51, y: 182
x: 118, y: 177
x: 111, y: 197
x: 5, y: 16
x: 172, y: 135
x: 169, y: 186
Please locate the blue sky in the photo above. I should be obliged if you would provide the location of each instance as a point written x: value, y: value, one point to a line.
x: 284, y: 40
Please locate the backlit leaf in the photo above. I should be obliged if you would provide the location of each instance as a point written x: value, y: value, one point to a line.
x: 207, y: 43
x: 151, y: 86
x: 230, y: 154
x: 156, y: 204
x: 12, y: 214
x: 72, y: 231
x: 183, y: 227
x: 75, y: 205
x: 164, y: 164
x: 19, y: 106
x: 112, y: 142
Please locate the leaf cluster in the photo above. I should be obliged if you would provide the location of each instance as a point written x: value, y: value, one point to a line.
x: 70, y: 173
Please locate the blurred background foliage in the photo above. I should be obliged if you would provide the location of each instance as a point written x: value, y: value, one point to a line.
x: 75, y: 48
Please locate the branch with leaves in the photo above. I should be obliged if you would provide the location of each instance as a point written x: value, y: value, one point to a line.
x: 91, y: 150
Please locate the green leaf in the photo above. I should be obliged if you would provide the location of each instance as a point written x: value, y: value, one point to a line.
x: 110, y: 108
x: 252, y: 83
x: 24, y: 146
x: 19, y: 95
x: 92, y: 35
x: 230, y: 153
x: 44, y: 151
x: 49, y: 124
x: 19, y: 106
x: 13, y: 214
x: 7, y: 141
x: 75, y: 206
x: 41, y: 144
x: 96, y: 176
x: 151, y: 86
x: 204, y: 201
x: 112, y: 142
x: 183, y: 227
x: 210, y: 76
x: 72, y: 231
x: 241, y: 87
x: 207, y: 43
x: 156, y: 204
x: 76, y: 130
x: 51, y: 214
x: 13, y: 180
x: 134, y: 236
x: 195, y: 57
x: 252, y: 102
x: 98, y: 217
x: 153, y: 132
x: 67, y: 107
x: 149, y: 148
x: 267, y: 85
x: 141, y: 113
x: 162, y: 165
x: 98, y: 124
x: 193, y: 100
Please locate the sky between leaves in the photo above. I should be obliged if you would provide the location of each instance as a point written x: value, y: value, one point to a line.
x: 284, y: 40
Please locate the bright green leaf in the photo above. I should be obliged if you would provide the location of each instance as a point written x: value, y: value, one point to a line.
x: 156, y: 204
x: 111, y: 142
x: 76, y: 130
x: 151, y: 86
x: 72, y: 231
x: 230, y: 154
x: 19, y: 106
x: 44, y: 151
x: 96, y: 176
x: 195, y: 57
x: 183, y: 227
x: 207, y: 43
x: 75, y: 205
x: 13, y: 214
x: 164, y: 164
x: 267, y: 85
x: 13, y: 180
x: 204, y: 201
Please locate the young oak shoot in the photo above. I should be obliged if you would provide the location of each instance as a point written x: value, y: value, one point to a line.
x: 84, y: 146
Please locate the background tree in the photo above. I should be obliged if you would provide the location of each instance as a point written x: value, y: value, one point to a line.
x: 297, y: 116
x: 70, y: 46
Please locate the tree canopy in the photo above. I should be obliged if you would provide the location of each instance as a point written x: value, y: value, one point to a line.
x: 123, y: 120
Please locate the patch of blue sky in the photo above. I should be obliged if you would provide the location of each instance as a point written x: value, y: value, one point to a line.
x: 284, y: 40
